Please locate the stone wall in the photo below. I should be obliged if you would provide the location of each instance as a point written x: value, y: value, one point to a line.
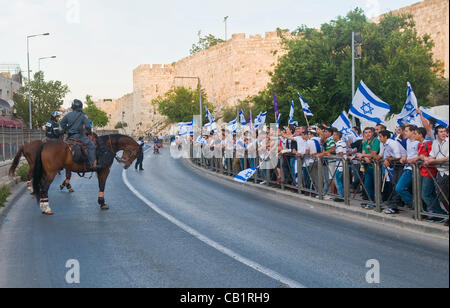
x: 240, y: 68
x: 432, y: 17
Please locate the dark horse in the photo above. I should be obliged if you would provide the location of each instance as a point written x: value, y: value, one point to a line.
x: 29, y: 151
x: 57, y: 155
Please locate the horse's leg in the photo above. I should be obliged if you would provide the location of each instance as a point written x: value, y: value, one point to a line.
x: 66, y: 182
x: 44, y: 187
x: 102, y: 176
x: 30, y: 177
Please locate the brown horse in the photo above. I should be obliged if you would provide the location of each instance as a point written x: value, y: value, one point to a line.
x: 57, y: 155
x: 29, y: 151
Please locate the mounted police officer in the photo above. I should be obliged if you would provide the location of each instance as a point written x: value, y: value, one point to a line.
x: 75, y: 124
x: 52, y: 130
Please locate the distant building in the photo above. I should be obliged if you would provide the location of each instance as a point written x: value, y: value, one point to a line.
x: 10, y: 83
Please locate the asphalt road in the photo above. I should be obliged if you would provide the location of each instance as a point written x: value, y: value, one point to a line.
x: 171, y: 227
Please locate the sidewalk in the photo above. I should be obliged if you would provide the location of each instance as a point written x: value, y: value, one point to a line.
x: 399, y: 221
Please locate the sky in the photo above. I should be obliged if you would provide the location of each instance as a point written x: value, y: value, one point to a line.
x: 98, y: 43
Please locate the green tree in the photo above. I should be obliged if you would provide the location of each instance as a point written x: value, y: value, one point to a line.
x: 181, y: 104
x: 205, y: 43
x: 99, y: 117
x: 318, y: 65
x: 46, y: 97
x: 439, y: 94
x: 230, y: 113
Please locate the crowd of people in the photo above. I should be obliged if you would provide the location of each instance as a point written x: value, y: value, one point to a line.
x: 396, y: 152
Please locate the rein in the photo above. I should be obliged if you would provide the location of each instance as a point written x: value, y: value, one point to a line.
x: 117, y: 158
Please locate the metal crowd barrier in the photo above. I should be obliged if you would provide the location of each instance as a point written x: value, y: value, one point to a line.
x: 315, y: 175
x: 12, y: 139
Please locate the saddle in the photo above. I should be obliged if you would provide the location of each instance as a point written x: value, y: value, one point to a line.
x: 104, y: 155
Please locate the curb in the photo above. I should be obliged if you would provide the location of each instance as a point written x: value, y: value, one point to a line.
x: 17, y: 191
x: 303, y: 202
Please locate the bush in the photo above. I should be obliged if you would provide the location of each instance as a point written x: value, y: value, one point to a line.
x: 22, y: 172
x: 4, y: 193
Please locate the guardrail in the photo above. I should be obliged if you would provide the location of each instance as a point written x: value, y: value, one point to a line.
x: 354, y: 181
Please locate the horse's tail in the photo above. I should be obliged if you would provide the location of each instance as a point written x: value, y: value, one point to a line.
x: 15, y: 162
x: 38, y: 172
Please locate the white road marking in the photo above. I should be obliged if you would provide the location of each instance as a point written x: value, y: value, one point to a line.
x: 264, y: 270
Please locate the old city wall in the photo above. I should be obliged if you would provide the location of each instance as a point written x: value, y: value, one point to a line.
x: 239, y: 68
x: 432, y: 17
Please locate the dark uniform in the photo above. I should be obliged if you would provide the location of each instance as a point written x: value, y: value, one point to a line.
x: 74, y: 124
x: 52, y: 130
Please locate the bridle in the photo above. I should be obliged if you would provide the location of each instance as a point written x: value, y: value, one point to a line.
x: 121, y: 160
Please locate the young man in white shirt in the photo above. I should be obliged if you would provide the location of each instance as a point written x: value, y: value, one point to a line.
x: 405, y: 183
x: 438, y: 155
x: 341, y: 151
x: 393, y: 152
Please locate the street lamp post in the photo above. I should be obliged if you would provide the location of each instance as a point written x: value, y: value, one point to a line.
x: 39, y: 61
x: 29, y: 78
x: 356, y: 43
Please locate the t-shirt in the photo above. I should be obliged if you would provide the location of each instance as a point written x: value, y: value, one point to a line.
x: 374, y: 145
x: 330, y: 143
x: 424, y: 149
x: 439, y: 151
x: 411, y: 150
x: 393, y: 149
x: 341, y: 147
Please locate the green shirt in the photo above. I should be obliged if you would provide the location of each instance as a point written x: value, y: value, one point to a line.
x: 374, y: 144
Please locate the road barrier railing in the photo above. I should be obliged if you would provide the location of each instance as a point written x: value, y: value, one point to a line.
x: 321, y: 177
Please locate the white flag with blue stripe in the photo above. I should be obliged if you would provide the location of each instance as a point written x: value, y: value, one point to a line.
x: 211, y: 127
x: 232, y: 126
x: 278, y: 120
x: 409, y: 113
x: 291, y: 116
x: 429, y: 116
x: 186, y: 128
x: 344, y: 125
x: 209, y: 115
x: 242, y: 119
x: 260, y: 119
x: 305, y: 106
x: 201, y: 140
x: 245, y: 175
x: 367, y: 106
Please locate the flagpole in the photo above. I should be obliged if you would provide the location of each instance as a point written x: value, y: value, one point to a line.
x: 306, y: 118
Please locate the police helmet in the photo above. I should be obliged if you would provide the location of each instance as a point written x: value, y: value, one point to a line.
x: 56, y: 114
x: 77, y: 105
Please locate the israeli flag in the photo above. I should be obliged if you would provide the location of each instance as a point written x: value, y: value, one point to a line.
x: 291, y: 116
x: 209, y: 115
x: 260, y: 119
x: 367, y: 106
x: 211, y: 127
x: 186, y: 128
x: 428, y: 115
x: 242, y: 118
x: 245, y: 175
x: 201, y: 140
x: 305, y: 106
x: 278, y: 120
x: 409, y: 113
x: 232, y: 126
x: 344, y: 125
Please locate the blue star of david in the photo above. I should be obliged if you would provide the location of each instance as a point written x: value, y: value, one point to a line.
x: 345, y: 131
x: 409, y: 106
x: 366, y: 108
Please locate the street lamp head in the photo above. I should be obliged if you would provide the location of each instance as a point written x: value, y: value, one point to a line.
x: 46, y: 34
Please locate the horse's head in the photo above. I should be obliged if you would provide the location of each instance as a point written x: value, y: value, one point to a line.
x: 129, y: 147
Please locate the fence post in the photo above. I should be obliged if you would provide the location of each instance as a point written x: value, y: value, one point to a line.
x: 320, y: 178
x: 283, y: 177
x: 377, y: 186
x: 300, y: 185
x: 417, y: 193
x: 346, y: 180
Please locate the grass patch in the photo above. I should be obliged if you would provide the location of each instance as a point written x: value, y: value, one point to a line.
x: 22, y: 172
x: 4, y: 193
